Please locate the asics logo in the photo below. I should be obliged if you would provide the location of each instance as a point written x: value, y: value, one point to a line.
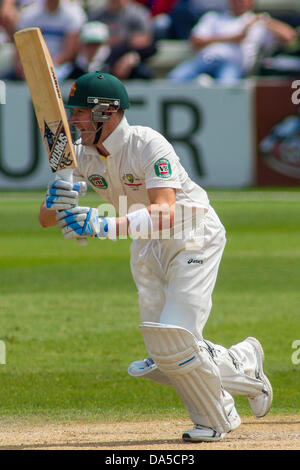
x: 195, y: 261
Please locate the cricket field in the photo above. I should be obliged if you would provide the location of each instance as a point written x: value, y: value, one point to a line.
x: 69, y: 322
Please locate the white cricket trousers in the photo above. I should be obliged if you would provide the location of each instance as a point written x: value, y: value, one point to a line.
x: 175, y: 282
x: 175, y: 278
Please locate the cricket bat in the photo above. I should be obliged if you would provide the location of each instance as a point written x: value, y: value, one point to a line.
x: 47, y: 102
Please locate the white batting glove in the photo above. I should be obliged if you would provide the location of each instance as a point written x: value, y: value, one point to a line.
x: 63, y: 195
x: 83, y: 222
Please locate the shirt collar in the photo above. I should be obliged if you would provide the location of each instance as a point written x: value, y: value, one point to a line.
x: 115, y: 141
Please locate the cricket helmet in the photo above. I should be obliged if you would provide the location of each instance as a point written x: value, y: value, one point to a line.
x: 94, y: 88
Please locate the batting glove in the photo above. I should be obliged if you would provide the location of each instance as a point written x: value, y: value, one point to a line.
x: 80, y: 222
x: 63, y: 195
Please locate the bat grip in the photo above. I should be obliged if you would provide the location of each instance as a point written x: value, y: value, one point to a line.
x: 67, y: 175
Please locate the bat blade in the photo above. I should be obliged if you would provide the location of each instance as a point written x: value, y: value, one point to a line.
x: 46, y: 98
x: 47, y: 102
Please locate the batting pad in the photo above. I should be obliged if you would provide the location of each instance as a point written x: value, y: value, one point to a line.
x: 191, y: 371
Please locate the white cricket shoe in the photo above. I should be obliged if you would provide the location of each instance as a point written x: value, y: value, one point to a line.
x: 141, y: 368
x: 148, y: 369
x: 260, y: 404
x: 204, y: 434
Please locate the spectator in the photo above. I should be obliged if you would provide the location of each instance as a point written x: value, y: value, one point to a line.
x: 284, y: 62
x: 174, y: 19
x: 10, y: 11
x: 158, y: 7
x: 228, y: 45
x: 8, y: 17
x: 131, y: 38
x: 93, y: 49
x: 60, y: 22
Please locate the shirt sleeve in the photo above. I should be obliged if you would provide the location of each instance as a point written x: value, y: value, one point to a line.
x: 76, y: 18
x: 25, y: 20
x: 160, y: 164
x: 205, y: 28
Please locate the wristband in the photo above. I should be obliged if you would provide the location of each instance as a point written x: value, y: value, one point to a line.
x: 140, y: 224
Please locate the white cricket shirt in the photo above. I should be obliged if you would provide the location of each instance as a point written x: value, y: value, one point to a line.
x: 139, y: 158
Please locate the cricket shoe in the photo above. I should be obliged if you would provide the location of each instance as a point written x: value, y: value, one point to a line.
x: 204, y: 434
x: 260, y: 404
x: 148, y: 369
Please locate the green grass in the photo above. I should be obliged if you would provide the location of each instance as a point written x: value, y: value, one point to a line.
x: 69, y: 315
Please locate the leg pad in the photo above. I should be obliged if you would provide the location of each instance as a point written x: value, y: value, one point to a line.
x: 191, y: 371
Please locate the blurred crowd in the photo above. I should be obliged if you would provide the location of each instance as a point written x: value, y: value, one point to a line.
x: 229, y: 39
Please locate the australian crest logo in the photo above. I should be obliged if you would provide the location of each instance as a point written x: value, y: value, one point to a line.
x: 163, y: 168
x: 98, y: 181
x: 131, y: 181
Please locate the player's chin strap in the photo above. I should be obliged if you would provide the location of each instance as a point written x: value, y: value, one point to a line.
x: 98, y: 132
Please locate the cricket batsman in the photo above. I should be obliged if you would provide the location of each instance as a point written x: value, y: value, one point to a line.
x: 177, y: 245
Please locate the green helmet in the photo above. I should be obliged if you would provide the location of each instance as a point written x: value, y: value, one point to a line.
x: 97, y: 88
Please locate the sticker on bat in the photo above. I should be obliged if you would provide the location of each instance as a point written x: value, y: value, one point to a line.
x: 57, y: 142
x: 56, y: 85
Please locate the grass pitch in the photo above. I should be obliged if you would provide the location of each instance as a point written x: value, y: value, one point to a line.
x: 69, y: 315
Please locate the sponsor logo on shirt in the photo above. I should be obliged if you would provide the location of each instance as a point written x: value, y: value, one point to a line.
x: 98, y: 181
x: 163, y: 168
x: 195, y: 261
x: 131, y: 181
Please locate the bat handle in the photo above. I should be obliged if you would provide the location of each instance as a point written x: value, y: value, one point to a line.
x: 67, y: 175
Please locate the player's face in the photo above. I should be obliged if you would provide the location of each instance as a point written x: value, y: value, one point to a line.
x: 81, y: 119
